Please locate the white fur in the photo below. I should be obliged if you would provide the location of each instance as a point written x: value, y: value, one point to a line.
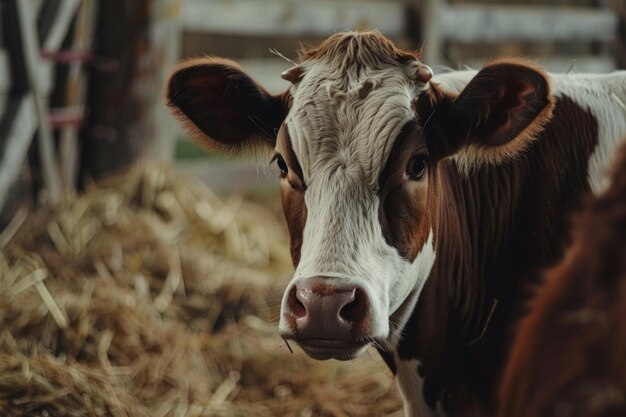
x: 419, y: 270
x: 411, y: 385
x: 600, y: 94
x: 455, y: 81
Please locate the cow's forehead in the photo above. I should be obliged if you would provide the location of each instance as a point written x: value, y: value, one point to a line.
x: 349, y: 116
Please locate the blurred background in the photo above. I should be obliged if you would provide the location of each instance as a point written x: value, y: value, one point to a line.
x: 141, y: 276
x: 81, y: 81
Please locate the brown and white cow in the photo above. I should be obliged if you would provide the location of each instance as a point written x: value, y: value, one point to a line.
x: 418, y: 209
x: 569, y: 354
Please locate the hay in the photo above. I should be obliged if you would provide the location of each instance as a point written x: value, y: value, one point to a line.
x: 151, y: 296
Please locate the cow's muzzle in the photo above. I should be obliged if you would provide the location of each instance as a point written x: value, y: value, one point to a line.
x: 326, y: 320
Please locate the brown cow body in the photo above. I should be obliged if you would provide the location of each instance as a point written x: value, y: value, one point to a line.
x: 419, y: 210
x: 484, y: 265
x: 569, y: 355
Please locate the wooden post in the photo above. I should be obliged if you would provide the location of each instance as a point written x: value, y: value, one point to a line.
x: 125, y: 105
x: 166, y: 36
x: 433, y: 40
x: 75, y: 94
x: 620, y: 43
x: 31, y: 51
x: 18, y: 132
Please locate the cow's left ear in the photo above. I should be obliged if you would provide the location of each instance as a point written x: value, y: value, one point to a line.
x: 498, y: 114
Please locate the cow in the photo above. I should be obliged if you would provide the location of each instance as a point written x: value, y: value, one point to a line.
x: 419, y: 209
x: 569, y: 354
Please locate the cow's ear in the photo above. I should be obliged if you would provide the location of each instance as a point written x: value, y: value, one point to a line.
x: 496, y: 116
x: 222, y: 108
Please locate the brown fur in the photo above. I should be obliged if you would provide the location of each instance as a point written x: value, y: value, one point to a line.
x: 345, y: 45
x: 292, y: 195
x: 569, y: 357
x: 495, y: 229
x: 404, y: 211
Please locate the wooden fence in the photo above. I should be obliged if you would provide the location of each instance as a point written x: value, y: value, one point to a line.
x: 435, y: 24
x: 279, y: 24
x: 594, y: 31
x: 71, y: 106
x: 26, y: 82
x: 38, y: 34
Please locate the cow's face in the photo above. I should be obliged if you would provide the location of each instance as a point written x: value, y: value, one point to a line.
x: 354, y: 171
x: 356, y: 141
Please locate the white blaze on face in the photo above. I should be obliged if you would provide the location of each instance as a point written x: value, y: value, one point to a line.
x: 342, y: 128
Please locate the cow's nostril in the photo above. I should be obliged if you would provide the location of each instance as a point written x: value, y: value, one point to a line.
x: 296, y: 308
x: 356, y: 309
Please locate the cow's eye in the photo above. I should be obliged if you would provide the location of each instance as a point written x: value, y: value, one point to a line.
x: 416, y: 167
x: 282, y: 166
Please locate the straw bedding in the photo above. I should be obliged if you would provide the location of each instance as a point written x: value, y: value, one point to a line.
x: 150, y: 295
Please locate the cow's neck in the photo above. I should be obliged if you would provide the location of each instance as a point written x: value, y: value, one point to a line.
x: 495, y: 229
x: 470, y: 224
x: 454, y: 306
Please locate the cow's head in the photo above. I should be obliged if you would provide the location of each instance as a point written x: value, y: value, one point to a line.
x: 357, y: 141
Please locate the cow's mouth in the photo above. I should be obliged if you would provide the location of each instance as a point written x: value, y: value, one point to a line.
x: 322, y: 349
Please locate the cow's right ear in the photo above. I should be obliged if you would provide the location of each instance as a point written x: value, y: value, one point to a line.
x: 222, y: 108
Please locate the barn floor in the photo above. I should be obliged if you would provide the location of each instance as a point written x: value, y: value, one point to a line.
x: 152, y: 296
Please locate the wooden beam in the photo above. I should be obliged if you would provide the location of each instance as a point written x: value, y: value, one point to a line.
x: 18, y: 136
x: 432, y: 33
x: 63, y: 19
x: 166, y: 36
x: 32, y: 59
x: 75, y: 95
x: 559, y: 65
x: 52, y: 43
x: 496, y: 23
x: 125, y: 105
x: 597, y: 64
x: 291, y: 18
x: 267, y: 72
x: 5, y: 72
x: 5, y: 79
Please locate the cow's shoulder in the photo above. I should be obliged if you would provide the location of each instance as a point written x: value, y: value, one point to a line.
x: 568, y: 352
